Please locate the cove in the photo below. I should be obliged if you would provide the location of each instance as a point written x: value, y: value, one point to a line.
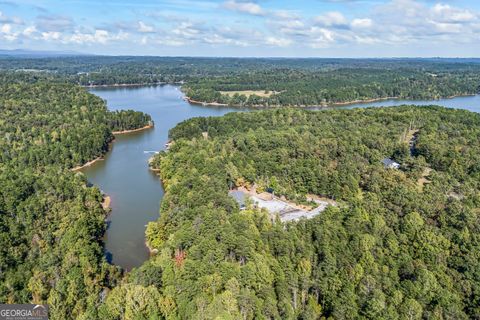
x: 135, y: 191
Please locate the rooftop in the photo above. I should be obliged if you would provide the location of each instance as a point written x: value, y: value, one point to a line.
x: 285, y: 210
x: 387, y: 162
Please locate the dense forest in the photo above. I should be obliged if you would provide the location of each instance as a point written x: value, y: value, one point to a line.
x: 291, y: 82
x: 124, y: 120
x: 401, y: 244
x: 307, y: 88
x: 51, y: 221
x: 47, y: 123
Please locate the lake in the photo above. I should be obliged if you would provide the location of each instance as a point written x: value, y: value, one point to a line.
x: 135, y: 191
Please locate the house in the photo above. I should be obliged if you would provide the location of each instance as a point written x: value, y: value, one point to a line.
x: 390, y: 164
x: 240, y: 197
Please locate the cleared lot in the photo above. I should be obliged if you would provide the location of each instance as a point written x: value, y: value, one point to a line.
x: 285, y: 210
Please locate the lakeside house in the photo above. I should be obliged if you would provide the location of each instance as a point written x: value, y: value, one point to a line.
x: 390, y: 164
x: 240, y: 197
x: 285, y: 210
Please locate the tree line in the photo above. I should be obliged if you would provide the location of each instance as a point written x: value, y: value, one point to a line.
x: 390, y: 249
x: 51, y: 220
x: 320, y: 88
x: 296, y: 82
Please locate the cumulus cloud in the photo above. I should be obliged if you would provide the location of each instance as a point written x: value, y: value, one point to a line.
x: 244, y: 7
x: 6, y: 28
x: 331, y: 19
x: 361, y: 23
x: 28, y: 31
x: 406, y: 21
x: 51, y: 35
x: 445, y: 13
x: 98, y: 36
x: 397, y: 22
x: 145, y: 28
x: 278, y: 42
x: 7, y: 32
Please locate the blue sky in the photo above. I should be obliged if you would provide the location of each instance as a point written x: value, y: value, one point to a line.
x: 310, y: 28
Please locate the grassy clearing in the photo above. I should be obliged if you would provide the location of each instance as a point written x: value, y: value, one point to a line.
x: 248, y: 93
x: 423, y: 179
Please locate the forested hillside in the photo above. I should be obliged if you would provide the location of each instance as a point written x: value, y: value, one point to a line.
x: 396, y: 247
x: 267, y: 81
x: 308, y: 88
x: 401, y: 244
x: 124, y: 120
x: 51, y: 222
x: 46, y: 123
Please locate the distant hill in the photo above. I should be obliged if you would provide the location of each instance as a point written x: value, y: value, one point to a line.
x: 39, y: 53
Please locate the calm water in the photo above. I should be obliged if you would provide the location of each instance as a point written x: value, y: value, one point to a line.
x: 471, y: 103
x: 136, y: 191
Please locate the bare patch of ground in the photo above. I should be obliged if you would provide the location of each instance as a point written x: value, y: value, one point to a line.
x: 423, y: 179
x: 248, y: 93
x: 286, y: 210
x: 106, y: 202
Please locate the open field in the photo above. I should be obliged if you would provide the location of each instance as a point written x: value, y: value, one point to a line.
x: 248, y: 93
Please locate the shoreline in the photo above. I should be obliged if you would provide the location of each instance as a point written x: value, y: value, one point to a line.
x: 213, y: 104
x: 359, y: 101
x: 106, y: 202
x: 150, y: 166
x: 88, y: 164
x: 132, y: 130
x: 151, y: 251
x: 216, y: 104
x: 101, y: 158
x: 329, y: 105
x: 120, y: 85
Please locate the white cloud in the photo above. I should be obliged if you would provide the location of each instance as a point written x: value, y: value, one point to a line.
x: 51, y: 35
x: 278, y: 42
x: 144, y: 28
x: 286, y: 14
x: 244, y: 7
x: 6, y: 28
x: 7, y: 33
x: 361, y: 23
x: 217, y: 39
x: 331, y: 19
x: 186, y: 30
x: 446, y: 13
x: 321, y: 37
x: 393, y: 23
x: 408, y: 21
x: 98, y: 36
x: 29, y: 31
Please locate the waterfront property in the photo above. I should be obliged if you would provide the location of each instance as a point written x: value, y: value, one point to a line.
x: 240, y: 197
x: 136, y: 192
x: 286, y: 211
